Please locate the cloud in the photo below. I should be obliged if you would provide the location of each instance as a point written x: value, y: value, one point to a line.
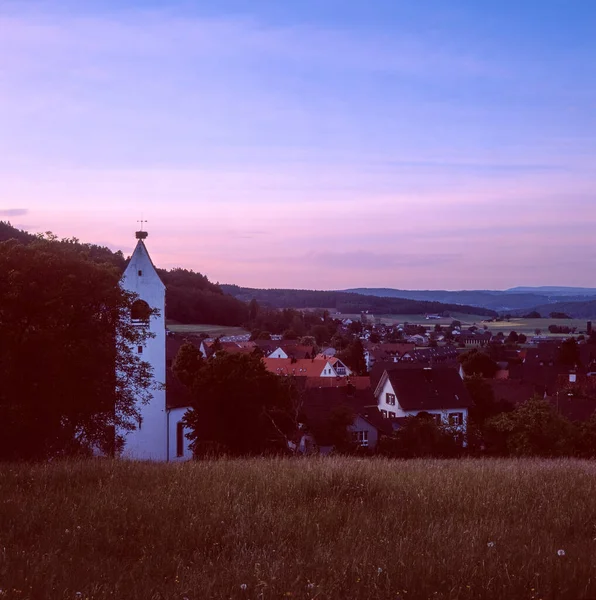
x: 13, y: 212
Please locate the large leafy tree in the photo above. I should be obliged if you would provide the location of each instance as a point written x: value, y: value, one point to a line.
x: 69, y: 375
x: 476, y: 362
x: 535, y: 428
x: 238, y: 406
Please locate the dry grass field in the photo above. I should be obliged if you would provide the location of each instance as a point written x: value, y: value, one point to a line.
x: 339, y: 528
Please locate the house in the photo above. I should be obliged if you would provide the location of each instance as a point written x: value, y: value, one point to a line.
x: 319, y: 406
x: 160, y: 433
x: 438, y: 392
x: 305, y: 367
x: 387, y: 352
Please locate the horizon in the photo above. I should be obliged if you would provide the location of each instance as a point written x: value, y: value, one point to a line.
x: 322, y: 146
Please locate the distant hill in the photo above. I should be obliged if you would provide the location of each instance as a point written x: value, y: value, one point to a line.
x: 576, y: 310
x: 499, y: 300
x: 347, y: 302
x: 551, y: 290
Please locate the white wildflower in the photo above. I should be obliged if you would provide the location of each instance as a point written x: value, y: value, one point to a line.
x: 78, y: 595
x: 491, y: 544
x: 561, y: 552
x: 310, y: 585
x: 379, y: 570
x: 243, y: 586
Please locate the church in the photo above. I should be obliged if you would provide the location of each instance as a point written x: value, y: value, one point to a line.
x: 160, y: 434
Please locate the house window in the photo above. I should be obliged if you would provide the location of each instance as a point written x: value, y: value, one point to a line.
x: 140, y: 350
x: 360, y: 437
x: 390, y: 399
x: 391, y: 415
x: 436, y: 418
x: 179, y: 439
x: 384, y: 413
x: 456, y: 418
x: 140, y: 273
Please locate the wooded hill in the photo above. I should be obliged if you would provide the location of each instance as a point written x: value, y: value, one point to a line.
x: 190, y: 296
x: 347, y: 302
x: 522, y: 298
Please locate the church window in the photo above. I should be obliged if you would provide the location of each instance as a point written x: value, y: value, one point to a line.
x: 179, y: 439
x: 140, y: 273
x: 140, y: 350
x: 140, y: 312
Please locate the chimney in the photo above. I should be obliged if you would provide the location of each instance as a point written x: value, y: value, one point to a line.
x: 589, y: 327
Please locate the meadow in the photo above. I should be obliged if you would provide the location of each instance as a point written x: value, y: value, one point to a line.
x: 210, y: 330
x: 518, y: 324
x: 337, y: 528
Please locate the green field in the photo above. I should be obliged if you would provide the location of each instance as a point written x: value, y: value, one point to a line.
x: 521, y: 325
x: 337, y: 528
x: 210, y: 330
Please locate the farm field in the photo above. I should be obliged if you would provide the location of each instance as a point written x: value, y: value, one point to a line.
x: 336, y: 528
x: 210, y: 330
x: 521, y: 325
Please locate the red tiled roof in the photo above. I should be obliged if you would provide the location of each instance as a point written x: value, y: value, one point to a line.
x: 301, y: 368
x: 360, y: 383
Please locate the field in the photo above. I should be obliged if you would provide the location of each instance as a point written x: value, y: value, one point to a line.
x: 323, y: 528
x: 210, y: 330
x: 521, y: 325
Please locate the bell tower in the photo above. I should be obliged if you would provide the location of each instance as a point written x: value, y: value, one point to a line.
x: 149, y: 440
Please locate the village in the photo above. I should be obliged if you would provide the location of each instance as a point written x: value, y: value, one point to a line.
x: 379, y: 375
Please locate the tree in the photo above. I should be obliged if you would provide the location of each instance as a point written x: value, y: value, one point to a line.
x: 238, y: 405
x: 340, y: 418
x: 69, y: 375
x: 569, y: 353
x: 420, y: 436
x: 533, y: 315
x: 475, y: 362
x: 290, y: 334
x: 535, y: 429
x: 353, y: 356
x: 483, y: 396
x: 559, y: 315
x: 253, y: 309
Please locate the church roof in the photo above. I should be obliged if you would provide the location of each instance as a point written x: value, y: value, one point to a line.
x: 141, y: 260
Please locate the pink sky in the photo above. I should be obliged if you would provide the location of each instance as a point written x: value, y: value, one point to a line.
x: 311, y: 155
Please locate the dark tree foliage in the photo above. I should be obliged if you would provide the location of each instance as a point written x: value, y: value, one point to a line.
x: 353, y: 356
x: 192, y: 298
x: 420, y: 437
x: 340, y: 418
x: 69, y: 375
x: 476, y: 362
x: 569, y: 353
x: 278, y: 321
x: 485, y: 405
x: 533, y: 315
x: 535, y: 428
x: 238, y: 406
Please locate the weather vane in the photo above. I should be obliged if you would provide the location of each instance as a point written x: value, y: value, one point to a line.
x: 141, y: 235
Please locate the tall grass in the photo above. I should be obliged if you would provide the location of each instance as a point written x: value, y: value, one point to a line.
x: 267, y: 528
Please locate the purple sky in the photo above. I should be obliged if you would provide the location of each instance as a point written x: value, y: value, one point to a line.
x: 325, y: 145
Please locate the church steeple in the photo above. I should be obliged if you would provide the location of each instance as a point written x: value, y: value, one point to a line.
x: 149, y: 440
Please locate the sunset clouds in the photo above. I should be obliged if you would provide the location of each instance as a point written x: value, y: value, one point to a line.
x: 275, y: 149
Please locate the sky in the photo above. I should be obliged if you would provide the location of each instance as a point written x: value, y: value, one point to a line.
x: 320, y: 144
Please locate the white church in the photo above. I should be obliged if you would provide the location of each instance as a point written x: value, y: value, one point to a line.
x: 160, y: 434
